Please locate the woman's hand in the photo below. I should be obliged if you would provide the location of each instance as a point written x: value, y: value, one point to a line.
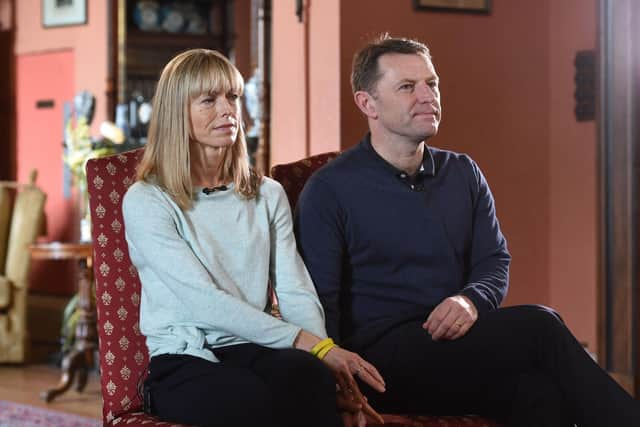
x: 345, y: 364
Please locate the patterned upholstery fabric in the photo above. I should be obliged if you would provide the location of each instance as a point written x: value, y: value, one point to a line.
x: 293, y: 176
x: 123, y: 353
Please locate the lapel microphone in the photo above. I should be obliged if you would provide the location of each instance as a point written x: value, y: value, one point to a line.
x: 209, y: 190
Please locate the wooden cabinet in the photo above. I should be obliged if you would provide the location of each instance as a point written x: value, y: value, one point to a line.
x: 138, y: 54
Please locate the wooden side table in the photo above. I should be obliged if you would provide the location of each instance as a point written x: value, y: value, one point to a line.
x: 80, y: 358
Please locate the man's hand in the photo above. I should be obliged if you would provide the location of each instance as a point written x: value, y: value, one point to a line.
x: 452, y: 318
x: 351, y: 419
x: 351, y: 411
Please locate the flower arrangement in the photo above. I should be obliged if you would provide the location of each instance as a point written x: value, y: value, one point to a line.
x: 79, y: 147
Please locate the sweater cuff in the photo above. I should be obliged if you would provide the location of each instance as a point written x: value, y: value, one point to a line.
x: 482, y: 305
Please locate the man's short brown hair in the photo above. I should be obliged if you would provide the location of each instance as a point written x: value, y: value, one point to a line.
x: 364, y: 70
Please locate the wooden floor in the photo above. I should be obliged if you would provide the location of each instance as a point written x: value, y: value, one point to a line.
x: 23, y: 384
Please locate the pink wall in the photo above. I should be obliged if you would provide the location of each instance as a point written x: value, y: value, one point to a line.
x: 305, y: 101
x: 46, y: 76
x: 288, y: 86
x: 508, y: 101
x: 89, y: 42
x: 324, y: 76
x: 573, y: 256
x: 82, y: 51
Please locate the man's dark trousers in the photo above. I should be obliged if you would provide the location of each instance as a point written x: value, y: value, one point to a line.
x: 519, y: 365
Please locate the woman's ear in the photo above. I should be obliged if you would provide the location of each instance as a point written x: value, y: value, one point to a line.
x: 366, y: 103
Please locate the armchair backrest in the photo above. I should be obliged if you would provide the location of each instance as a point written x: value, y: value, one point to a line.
x: 122, y: 349
x: 292, y: 176
x: 27, y: 217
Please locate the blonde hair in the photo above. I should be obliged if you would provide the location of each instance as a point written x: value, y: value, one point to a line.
x: 166, y: 161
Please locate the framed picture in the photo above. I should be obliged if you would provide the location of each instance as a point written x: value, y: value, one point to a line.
x: 59, y: 13
x: 466, y: 6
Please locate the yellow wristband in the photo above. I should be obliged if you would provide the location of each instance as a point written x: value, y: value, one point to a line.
x: 322, y: 344
x: 322, y: 353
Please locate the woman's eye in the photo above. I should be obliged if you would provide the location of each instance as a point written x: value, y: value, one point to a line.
x: 233, y: 96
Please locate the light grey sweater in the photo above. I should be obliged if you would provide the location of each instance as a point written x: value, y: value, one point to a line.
x: 204, y: 272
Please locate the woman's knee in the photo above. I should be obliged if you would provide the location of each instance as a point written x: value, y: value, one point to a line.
x: 305, y: 367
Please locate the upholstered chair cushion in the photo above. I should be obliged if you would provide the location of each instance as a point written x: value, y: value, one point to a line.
x: 5, y: 220
x: 293, y: 176
x: 5, y: 294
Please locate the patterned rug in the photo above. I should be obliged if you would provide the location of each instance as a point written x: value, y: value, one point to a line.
x: 17, y: 415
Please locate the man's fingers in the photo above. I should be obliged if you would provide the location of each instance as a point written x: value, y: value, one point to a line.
x: 446, y: 325
x: 347, y: 419
x: 369, y: 411
x: 346, y: 402
x: 437, y: 316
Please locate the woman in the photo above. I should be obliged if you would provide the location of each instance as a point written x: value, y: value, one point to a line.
x: 207, y: 234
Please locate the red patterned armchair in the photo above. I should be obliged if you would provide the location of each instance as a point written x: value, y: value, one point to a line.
x: 293, y: 176
x: 122, y: 348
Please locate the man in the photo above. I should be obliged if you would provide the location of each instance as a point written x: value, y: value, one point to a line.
x: 405, y: 250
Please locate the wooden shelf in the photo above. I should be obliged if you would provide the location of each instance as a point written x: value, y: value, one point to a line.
x: 157, y: 39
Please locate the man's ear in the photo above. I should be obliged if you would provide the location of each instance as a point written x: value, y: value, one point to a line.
x: 366, y: 103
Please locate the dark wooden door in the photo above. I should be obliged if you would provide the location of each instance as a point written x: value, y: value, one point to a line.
x: 7, y: 106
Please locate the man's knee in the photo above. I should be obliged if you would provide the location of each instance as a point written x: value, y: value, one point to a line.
x: 539, y: 315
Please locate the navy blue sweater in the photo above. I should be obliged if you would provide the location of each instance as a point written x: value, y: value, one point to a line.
x: 382, y: 247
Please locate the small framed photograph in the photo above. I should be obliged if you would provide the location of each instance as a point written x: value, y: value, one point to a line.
x: 466, y: 6
x: 60, y: 13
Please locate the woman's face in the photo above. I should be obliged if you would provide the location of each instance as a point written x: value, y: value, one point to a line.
x: 215, y: 118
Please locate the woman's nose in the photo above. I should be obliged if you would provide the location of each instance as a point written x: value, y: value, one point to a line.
x: 225, y: 106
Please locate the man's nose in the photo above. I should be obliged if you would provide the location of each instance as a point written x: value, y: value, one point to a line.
x: 425, y: 93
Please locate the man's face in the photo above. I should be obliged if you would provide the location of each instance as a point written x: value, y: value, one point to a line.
x: 406, y: 99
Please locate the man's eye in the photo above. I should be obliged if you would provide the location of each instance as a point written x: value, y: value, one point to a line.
x: 433, y: 84
x: 406, y: 86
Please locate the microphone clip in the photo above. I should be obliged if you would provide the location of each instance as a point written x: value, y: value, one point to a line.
x: 209, y: 190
